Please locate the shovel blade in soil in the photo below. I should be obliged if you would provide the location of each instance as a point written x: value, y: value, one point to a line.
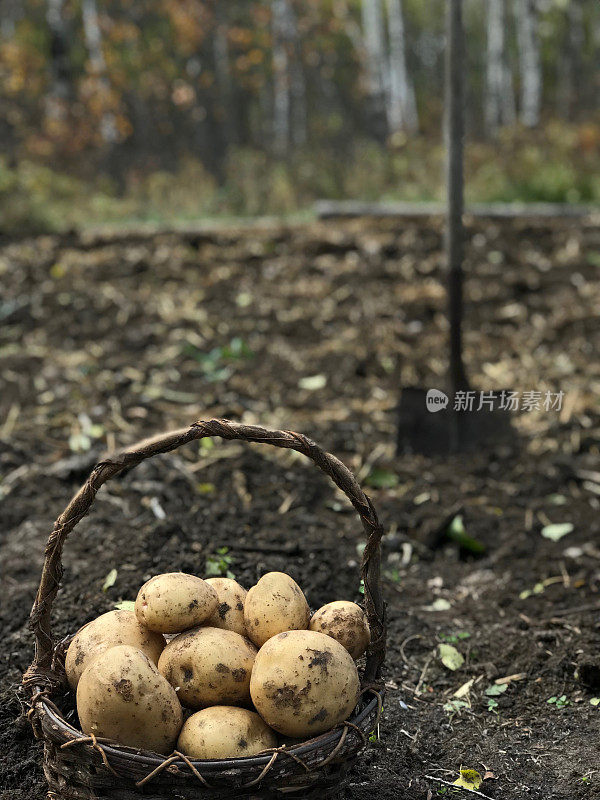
x: 428, y: 423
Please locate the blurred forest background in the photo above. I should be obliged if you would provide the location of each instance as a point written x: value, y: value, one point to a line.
x: 167, y: 110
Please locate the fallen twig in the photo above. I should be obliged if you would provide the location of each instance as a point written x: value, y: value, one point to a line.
x: 517, y: 676
x: 422, y: 676
x: 454, y: 786
x: 405, y: 642
x: 576, y: 610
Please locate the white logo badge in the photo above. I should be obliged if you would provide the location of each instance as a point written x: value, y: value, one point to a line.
x: 436, y: 400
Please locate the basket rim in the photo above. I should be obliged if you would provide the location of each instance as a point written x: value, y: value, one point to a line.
x: 150, y: 759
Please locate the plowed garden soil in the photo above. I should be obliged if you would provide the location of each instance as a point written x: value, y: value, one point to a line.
x: 106, y: 339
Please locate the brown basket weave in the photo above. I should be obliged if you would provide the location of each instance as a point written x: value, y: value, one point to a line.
x: 80, y: 767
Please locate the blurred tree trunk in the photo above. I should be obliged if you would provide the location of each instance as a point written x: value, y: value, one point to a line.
x: 284, y: 30
x: 11, y: 11
x: 375, y: 67
x: 223, y: 74
x: 60, y: 91
x: 402, y: 109
x: 570, y: 79
x: 298, y: 85
x: 499, y: 102
x: 93, y: 41
x: 593, y: 88
x: 530, y: 65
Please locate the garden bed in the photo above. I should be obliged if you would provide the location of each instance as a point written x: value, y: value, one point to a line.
x: 105, y: 339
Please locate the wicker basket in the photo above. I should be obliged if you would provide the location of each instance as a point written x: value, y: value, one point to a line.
x: 80, y: 767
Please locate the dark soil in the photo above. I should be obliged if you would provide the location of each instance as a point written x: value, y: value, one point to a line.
x: 107, y: 340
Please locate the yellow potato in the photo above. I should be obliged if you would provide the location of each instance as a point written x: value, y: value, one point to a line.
x: 225, y: 732
x: 122, y: 696
x: 274, y: 605
x: 304, y: 683
x: 175, y: 602
x: 209, y: 666
x: 108, y: 630
x: 346, y: 623
x: 229, y: 614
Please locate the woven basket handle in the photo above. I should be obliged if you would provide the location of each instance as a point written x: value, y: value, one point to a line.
x: 40, y: 673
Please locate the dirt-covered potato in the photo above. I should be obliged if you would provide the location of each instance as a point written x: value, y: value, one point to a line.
x: 225, y: 732
x: 209, y: 666
x: 122, y: 696
x: 229, y: 614
x: 274, y: 605
x: 175, y: 602
x: 346, y: 623
x: 108, y: 630
x: 303, y: 683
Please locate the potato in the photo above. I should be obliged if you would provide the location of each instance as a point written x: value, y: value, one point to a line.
x: 346, y: 623
x: 108, y: 630
x: 122, y: 696
x: 175, y: 602
x: 274, y: 605
x: 209, y: 666
x: 225, y: 732
x: 230, y: 611
x: 303, y: 683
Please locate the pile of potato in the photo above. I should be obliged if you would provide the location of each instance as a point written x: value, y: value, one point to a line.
x: 239, y: 667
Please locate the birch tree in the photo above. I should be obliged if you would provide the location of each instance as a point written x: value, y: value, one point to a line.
x: 289, y: 99
x: 402, y: 109
x: 93, y: 41
x: 499, y: 100
x: 375, y: 66
x: 529, y: 60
